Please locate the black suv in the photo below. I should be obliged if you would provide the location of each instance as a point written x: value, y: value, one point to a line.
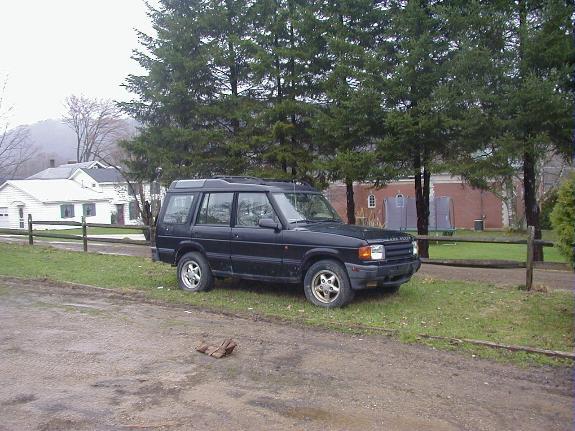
x: 277, y: 231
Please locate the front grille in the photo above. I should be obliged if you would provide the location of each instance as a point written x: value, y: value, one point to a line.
x: 400, y: 251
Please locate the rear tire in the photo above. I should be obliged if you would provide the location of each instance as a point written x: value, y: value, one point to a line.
x: 194, y: 273
x: 326, y: 284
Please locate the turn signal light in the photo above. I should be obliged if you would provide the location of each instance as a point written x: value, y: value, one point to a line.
x: 365, y: 253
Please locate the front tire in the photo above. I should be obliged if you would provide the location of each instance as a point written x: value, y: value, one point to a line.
x: 194, y: 273
x: 326, y: 284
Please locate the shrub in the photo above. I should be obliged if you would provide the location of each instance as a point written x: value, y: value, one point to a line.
x: 546, y: 207
x: 563, y: 217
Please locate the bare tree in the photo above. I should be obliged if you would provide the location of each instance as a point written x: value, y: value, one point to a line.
x: 14, y: 146
x: 97, y: 123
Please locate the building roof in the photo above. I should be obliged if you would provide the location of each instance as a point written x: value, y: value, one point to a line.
x: 106, y: 175
x: 58, y: 190
x: 64, y: 171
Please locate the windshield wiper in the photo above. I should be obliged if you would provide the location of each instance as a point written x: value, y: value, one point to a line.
x: 303, y: 221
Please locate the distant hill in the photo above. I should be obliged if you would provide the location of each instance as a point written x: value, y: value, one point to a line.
x: 52, y: 139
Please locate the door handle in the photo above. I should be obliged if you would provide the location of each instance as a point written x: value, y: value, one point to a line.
x: 236, y: 236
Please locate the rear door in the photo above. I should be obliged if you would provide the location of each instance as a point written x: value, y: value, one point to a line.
x: 174, y: 224
x: 255, y: 250
x: 212, y: 229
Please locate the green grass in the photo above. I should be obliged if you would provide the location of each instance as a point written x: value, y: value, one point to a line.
x: 470, y: 250
x: 451, y: 309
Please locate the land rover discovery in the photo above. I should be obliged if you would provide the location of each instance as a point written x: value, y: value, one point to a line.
x: 275, y: 231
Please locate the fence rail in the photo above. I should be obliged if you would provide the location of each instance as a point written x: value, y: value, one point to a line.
x: 529, y: 264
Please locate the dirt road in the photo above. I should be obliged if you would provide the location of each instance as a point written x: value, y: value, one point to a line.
x: 82, y: 359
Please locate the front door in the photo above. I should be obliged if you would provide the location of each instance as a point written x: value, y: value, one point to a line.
x: 255, y: 250
x: 120, y: 214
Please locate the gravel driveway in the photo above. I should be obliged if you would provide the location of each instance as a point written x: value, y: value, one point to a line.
x: 73, y: 358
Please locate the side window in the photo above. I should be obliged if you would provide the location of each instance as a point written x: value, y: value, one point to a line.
x: 178, y: 209
x: 252, y: 207
x: 216, y: 209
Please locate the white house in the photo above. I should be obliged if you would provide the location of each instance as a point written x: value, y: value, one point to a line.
x: 68, y: 192
x: 49, y: 200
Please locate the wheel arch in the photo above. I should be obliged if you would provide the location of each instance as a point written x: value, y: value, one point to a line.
x: 318, y: 254
x: 187, y: 247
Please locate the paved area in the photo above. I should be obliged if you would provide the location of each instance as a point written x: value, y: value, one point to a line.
x: 75, y: 358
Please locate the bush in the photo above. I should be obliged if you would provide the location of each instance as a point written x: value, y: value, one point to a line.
x: 563, y: 217
x: 546, y: 207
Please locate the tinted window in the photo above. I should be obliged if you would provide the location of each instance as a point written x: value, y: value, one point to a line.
x: 216, y: 209
x: 178, y: 209
x: 252, y: 207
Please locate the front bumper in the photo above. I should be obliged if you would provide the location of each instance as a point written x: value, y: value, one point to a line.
x: 394, y: 274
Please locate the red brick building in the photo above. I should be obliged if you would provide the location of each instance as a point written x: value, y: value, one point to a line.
x: 469, y: 204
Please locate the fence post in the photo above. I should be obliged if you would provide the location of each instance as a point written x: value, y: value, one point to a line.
x: 84, y: 233
x: 30, y: 235
x: 530, y: 254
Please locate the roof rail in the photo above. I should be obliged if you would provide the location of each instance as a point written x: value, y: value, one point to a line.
x: 237, y: 178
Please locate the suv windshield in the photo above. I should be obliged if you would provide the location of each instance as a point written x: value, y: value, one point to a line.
x: 305, y: 207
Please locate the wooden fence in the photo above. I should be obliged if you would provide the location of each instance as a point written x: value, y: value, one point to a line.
x: 529, y: 264
x: 30, y: 233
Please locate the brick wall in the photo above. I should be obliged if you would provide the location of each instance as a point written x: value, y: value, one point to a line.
x: 467, y: 201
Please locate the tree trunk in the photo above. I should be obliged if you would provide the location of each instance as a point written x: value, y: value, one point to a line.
x: 530, y: 198
x: 422, y: 204
x: 233, y: 67
x: 350, y: 201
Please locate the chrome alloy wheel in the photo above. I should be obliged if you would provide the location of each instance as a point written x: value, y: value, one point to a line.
x: 191, y: 275
x: 325, y: 286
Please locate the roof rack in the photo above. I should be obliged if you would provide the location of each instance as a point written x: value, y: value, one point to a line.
x: 238, y: 178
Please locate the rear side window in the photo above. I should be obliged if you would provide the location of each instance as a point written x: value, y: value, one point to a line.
x: 216, y: 209
x: 178, y: 209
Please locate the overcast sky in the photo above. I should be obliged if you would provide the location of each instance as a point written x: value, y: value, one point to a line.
x: 50, y: 49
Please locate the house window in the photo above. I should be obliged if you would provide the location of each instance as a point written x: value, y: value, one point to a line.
x: 371, y: 201
x: 67, y: 211
x: 89, y: 210
x: 133, y: 210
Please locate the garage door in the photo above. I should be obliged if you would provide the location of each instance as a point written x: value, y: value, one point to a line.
x: 4, y: 217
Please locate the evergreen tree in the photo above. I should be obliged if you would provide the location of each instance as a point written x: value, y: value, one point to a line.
x: 417, y: 125
x: 193, y: 99
x: 349, y: 122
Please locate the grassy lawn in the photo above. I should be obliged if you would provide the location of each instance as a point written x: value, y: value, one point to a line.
x: 452, y: 309
x: 470, y: 250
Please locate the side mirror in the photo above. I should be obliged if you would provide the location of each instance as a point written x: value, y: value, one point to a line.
x: 269, y: 223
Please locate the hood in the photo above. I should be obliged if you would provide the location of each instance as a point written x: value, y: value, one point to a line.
x: 369, y: 234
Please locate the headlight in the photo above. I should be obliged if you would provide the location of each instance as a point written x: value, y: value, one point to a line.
x: 372, y: 252
x: 415, y: 248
